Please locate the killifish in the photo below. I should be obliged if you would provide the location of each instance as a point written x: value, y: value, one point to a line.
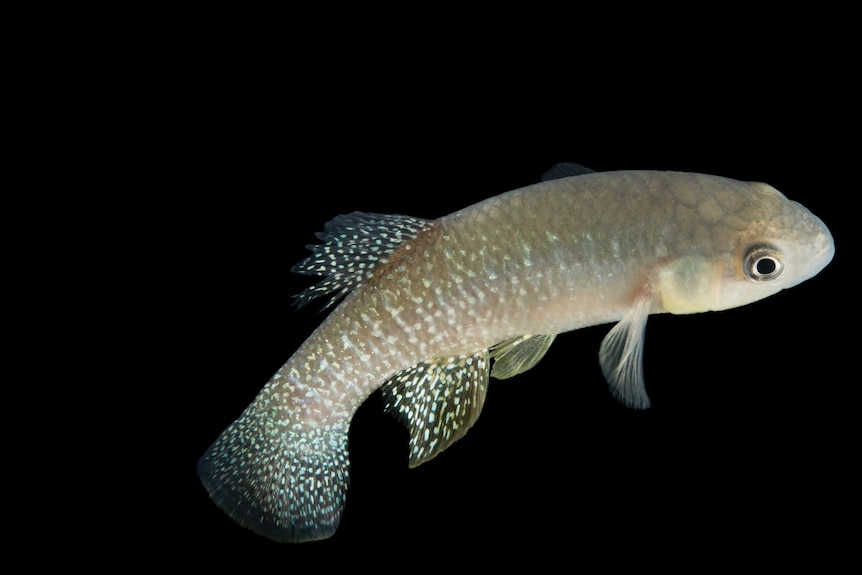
x: 428, y: 310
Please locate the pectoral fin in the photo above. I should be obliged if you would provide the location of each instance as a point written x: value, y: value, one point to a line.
x: 621, y: 355
x: 438, y: 401
x: 517, y: 355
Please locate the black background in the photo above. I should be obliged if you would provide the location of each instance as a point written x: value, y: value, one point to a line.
x: 747, y: 450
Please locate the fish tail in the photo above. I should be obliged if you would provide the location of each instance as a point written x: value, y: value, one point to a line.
x: 282, y: 480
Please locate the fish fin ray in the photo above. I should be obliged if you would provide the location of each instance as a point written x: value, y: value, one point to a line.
x: 565, y: 170
x: 353, y: 246
x: 284, y: 482
x: 621, y: 355
x: 519, y: 354
x: 438, y: 401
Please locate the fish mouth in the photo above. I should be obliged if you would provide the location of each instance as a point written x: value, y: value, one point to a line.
x: 827, y: 252
x: 825, y: 248
x: 825, y: 245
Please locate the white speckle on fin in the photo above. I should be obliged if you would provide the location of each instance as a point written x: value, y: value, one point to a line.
x: 517, y: 355
x: 438, y: 401
x: 284, y: 481
x: 621, y: 355
x: 353, y: 245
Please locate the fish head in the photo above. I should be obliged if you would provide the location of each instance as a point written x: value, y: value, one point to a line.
x: 763, y: 243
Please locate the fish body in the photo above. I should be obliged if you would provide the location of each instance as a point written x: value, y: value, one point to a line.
x: 432, y: 308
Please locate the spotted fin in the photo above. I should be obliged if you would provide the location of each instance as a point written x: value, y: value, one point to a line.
x: 621, y: 355
x: 438, y: 401
x: 279, y: 478
x: 353, y: 246
x: 519, y: 354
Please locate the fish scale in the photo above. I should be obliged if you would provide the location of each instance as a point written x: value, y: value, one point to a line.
x: 430, y: 309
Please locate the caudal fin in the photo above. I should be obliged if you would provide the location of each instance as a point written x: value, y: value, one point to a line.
x: 282, y: 481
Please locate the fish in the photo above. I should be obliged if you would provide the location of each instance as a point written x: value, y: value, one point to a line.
x: 428, y: 310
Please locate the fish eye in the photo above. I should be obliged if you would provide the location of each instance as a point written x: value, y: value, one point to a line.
x: 763, y: 263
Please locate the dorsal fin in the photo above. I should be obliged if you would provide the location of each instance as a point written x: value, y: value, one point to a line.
x: 353, y: 245
x: 565, y: 170
x: 519, y: 354
x: 438, y: 401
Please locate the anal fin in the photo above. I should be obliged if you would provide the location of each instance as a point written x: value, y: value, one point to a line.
x: 519, y: 354
x: 438, y: 401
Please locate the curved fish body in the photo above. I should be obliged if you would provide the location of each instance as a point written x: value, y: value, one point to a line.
x: 432, y: 308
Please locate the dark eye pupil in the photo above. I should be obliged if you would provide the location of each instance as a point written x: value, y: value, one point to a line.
x: 763, y: 263
x: 765, y: 266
